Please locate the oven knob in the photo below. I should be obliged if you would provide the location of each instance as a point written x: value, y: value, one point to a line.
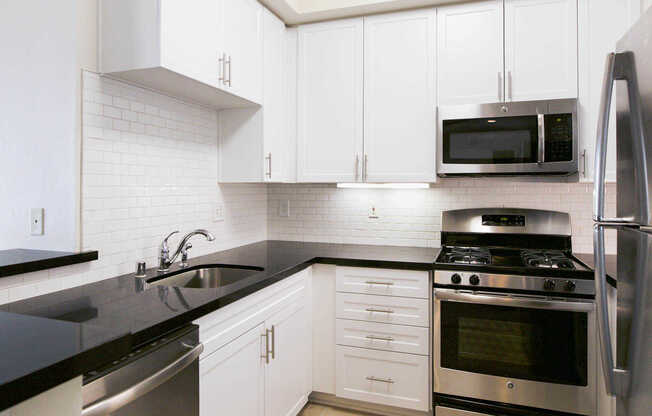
x: 456, y: 278
x: 474, y: 280
x: 549, y: 284
x: 569, y: 286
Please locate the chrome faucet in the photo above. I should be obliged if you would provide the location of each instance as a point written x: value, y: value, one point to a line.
x: 164, y: 259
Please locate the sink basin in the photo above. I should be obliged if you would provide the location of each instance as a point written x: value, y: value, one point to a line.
x: 205, y: 277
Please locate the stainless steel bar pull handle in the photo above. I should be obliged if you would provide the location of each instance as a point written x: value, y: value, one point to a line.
x: 509, y: 86
x: 382, y: 380
x: 266, y: 355
x: 227, y: 63
x: 357, y: 166
x: 372, y: 282
x: 365, y: 174
x: 221, y: 69
x: 268, y: 158
x: 501, y: 86
x: 113, y: 403
x: 273, y: 331
x: 620, y: 67
x: 379, y: 310
x: 377, y: 338
x: 541, y: 151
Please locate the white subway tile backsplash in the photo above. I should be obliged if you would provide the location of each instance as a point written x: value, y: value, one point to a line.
x: 149, y: 167
x: 324, y: 213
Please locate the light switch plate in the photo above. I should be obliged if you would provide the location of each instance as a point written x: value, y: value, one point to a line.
x: 373, y: 212
x: 218, y: 213
x: 284, y: 208
x: 36, y: 221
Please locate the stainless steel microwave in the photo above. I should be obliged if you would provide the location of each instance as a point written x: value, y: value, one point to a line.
x: 517, y: 138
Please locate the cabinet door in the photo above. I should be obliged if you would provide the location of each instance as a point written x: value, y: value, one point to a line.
x: 330, y: 94
x: 232, y: 379
x: 286, y: 383
x: 274, y: 99
x: 190, y: 39
x: 470, y: 53
x: 242, y: 28
x: 399, y: 97
x: 540, y: 49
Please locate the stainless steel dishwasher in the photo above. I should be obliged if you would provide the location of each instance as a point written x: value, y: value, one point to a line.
x: 160, y: 378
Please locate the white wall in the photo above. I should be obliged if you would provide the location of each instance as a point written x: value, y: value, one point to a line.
x: 325, y: 213
x: 149, y: 167
x: 38, y: 128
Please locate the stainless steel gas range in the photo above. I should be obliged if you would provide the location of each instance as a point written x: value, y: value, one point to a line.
x: 514, y: 316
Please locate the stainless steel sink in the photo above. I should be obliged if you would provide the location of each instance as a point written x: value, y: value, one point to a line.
x: 204, y: 277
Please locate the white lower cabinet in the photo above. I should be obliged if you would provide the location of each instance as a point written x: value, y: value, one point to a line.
x: 257, y: 353
x: 232, y: 379
x: 383, y: 377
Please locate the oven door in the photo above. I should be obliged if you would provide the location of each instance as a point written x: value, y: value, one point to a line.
x: 521, y: 350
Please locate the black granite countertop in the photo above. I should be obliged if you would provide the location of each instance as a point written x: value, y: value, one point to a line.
x: 611, y: 263
x: 20, y: 260
x: 73, y: 331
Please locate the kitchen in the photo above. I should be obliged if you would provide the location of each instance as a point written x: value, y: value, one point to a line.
x: 270, y: 129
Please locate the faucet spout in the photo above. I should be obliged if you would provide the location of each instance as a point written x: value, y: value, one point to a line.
x: 165, y: 260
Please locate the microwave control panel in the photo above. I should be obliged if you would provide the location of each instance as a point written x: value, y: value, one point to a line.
x: 559, y: 137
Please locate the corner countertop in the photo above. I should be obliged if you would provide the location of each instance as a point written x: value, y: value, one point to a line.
x: 611, y: 263
x: 21, y: 260
x: 49, y: 339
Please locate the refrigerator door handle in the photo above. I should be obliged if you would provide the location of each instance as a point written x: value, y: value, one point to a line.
x: 618, y: 381
x: 620, y: 67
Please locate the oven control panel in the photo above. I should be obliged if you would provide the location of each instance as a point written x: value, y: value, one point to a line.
x: 553, y: 285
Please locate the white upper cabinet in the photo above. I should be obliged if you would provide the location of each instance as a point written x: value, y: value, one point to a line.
x: 470, y: 53
x: 330, y: 93
x: 256, y: 144
x: 242, y: 30
x: 540, y: 49
x: 208, y: 51
x: 399, y: 97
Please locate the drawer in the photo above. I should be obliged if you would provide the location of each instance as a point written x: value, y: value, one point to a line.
x: 386, y: 337
x: 382, y: 377
x: 388, y: 282
x: 384, y: 309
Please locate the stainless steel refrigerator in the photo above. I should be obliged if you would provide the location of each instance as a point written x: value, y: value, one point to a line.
x: 628, y: 367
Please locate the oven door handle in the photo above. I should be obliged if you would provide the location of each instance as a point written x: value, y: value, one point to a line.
x: 515, y: 301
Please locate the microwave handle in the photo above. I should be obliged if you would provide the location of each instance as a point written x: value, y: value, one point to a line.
x: 541, y: 124
x: 620, y: 67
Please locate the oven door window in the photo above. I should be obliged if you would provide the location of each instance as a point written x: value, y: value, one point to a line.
x: 491, y: 140
x: 521, y: 343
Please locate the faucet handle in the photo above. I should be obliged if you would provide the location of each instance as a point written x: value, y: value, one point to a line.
x: 184, y: 255
x: 164, y: 244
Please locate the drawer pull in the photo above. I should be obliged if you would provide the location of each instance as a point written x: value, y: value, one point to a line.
x: 374, y: 337
x: 382, y: 380
x: 371, y: 282
x: 379, y: 310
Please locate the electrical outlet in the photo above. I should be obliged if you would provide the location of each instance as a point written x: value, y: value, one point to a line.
x: 218, y: 213
x: 36, y: 221
x: 373, y: 212
x: 284, y: 208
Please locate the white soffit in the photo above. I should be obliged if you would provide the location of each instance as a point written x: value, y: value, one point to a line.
x: 295, y: 12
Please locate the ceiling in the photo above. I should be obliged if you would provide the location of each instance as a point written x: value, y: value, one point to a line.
x: 304, y: 11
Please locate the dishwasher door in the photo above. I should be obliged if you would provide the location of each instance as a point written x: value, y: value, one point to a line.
x: 160, y: 378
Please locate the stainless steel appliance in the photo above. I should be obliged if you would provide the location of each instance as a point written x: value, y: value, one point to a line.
x: 514, y: 314
x: 517, y: 138
x: 160, y: 378
x: 628, y: 368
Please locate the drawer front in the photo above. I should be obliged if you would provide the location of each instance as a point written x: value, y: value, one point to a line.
x: 382, y: 377
x: 384, y: 309
x: 386, y: 337
x: 388, y: 282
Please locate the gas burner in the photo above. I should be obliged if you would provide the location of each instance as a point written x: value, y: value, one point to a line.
x: 467, y: 255
x: 551, y: 259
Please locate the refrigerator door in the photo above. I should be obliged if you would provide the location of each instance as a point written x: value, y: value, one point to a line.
x: 628, y: 370
x: 634, y: 122
x: 634, y: 321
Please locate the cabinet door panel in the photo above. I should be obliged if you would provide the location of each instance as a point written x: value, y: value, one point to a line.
x: 242, y: 25
x: 470, y: 53
x: 274, y: 98
x: 399, y: 97
x: 541, y: 49
x: 190, y: 39
x: 330, y: 94
x: 232, y: 378
x: 287, y: 372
